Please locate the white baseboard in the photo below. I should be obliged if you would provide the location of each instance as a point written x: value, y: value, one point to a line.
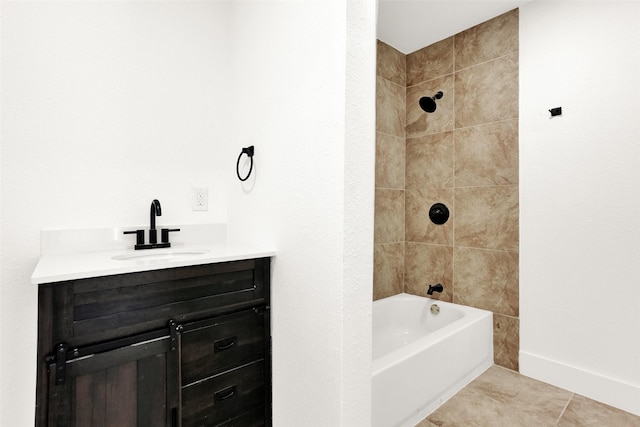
x: 607, y: 390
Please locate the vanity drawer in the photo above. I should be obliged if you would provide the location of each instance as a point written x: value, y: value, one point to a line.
x: 219, y: 400
x: 217, y: 344
x: 252, y: 418
x: 109, y: 307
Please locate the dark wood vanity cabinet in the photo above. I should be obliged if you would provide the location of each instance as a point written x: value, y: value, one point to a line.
x: 187, y: 346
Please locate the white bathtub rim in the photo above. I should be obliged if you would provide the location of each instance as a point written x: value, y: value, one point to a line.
x: 471, y: 316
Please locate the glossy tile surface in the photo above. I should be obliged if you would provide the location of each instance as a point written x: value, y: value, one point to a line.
x: 390, y: 161
x: 429, y: 161
x: 388, y: 222
x: 487, y: 154
x: 426, y: 265
x: 487, y: 279
x: 582, y: 411
x: 391, y: 63
x: 487, y: 92
x: 390, y: 107
x: 388, y: 270
x: 487, y: 217
x: 503, y: 398
x: 441, y: 120
x: 430, y: 62
x: 491, y: 39
x: 506, y: 341
x: 464, y: 154
x: 418, y: 225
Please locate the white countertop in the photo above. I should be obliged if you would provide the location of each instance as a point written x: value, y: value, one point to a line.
x: 65, y: 255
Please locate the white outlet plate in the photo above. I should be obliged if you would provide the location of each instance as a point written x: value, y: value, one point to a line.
x: 200, y: 201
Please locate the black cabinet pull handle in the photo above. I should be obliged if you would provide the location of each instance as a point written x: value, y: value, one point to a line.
x: 225, y: 394
x: 224, y: 344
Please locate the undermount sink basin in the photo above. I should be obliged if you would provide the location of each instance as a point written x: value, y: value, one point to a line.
x: 164, y: 255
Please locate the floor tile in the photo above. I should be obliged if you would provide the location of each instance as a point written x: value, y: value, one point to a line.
x: 501, y: 397
x: 585, y: 412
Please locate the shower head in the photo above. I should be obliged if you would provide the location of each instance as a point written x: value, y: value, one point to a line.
x: 428, y: 103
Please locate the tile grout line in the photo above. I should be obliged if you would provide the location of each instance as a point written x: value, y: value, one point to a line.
x: 565, y: 408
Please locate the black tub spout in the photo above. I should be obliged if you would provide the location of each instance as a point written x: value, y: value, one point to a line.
x: 435, y: 288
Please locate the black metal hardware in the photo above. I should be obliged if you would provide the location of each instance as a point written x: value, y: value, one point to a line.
x: 164, y: 234
x: 435, y: 288
x: 556, y: 111
x: 173, y: 332
x: 249, y: 152
x: 61, y: 363
x: 154, y: 210
x: 225, y: 394
x: 139, y: 236
x: 439, y: 213
x: 224, y: 344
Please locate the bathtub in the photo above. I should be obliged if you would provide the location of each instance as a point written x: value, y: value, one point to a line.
x: 421, y: 359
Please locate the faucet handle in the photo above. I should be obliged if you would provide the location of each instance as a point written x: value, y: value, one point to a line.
x: 139, y: 236
x: 164, y: 234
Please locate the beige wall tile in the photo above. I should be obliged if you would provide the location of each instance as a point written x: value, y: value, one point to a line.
x: 390, y: 107
x: 426, y: 265
x: 391, y: 63
x: 418, y: 226
x: 433, y: 61
x: 421, y: 123
x: 473, y: 168
x: 506, y: 341
x: 487, y: 217
x: 388, y: 270
x: 487, y: 279
x: 429, y: 161
x: 390, y: 161
x: 487, y: 92
x: 487, y: 154
x: 490, y: 40
x: 389, y: 216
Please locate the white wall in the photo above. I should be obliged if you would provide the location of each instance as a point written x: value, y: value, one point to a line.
x: 107, y: 105
x: 312, y: 195
x: 580, y: 198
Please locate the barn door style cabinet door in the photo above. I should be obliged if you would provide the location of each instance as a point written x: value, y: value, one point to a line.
x: 186, y: 346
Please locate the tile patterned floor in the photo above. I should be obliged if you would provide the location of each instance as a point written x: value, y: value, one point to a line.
x: 503, y: 398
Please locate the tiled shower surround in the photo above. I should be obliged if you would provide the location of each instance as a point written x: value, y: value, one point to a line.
x: 465, y: 155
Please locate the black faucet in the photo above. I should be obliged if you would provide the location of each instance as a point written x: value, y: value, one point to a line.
x: 435, y: 288
x: 155, y: 210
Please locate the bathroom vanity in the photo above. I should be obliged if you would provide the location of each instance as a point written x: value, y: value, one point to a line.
x: 169, y: 342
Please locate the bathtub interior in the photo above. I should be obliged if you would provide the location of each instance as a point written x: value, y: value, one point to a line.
x: 402, y: 319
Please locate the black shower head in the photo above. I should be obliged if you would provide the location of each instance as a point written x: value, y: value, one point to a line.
x: 428, y: 103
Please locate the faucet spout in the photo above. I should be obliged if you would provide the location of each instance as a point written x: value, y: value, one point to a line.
x: 155, y: 210
x: 435, y: 288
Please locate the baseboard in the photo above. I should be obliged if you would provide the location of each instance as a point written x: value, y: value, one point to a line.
x: 607, y: 390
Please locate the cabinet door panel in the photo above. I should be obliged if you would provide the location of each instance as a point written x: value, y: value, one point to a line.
x: 110, y: 389
x: 221, y: 398
x: 214, y: 345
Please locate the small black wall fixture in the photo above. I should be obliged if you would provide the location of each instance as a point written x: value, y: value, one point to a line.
x: 439, y: 213
x: 249, y: 152
x: 556, y: 111
x: 428, y: 103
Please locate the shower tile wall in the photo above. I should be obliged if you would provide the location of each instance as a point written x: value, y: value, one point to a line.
x: 389, y: 231
x: 464, y: 155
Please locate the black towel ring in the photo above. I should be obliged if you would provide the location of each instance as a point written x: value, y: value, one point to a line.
x: 249, y: 152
